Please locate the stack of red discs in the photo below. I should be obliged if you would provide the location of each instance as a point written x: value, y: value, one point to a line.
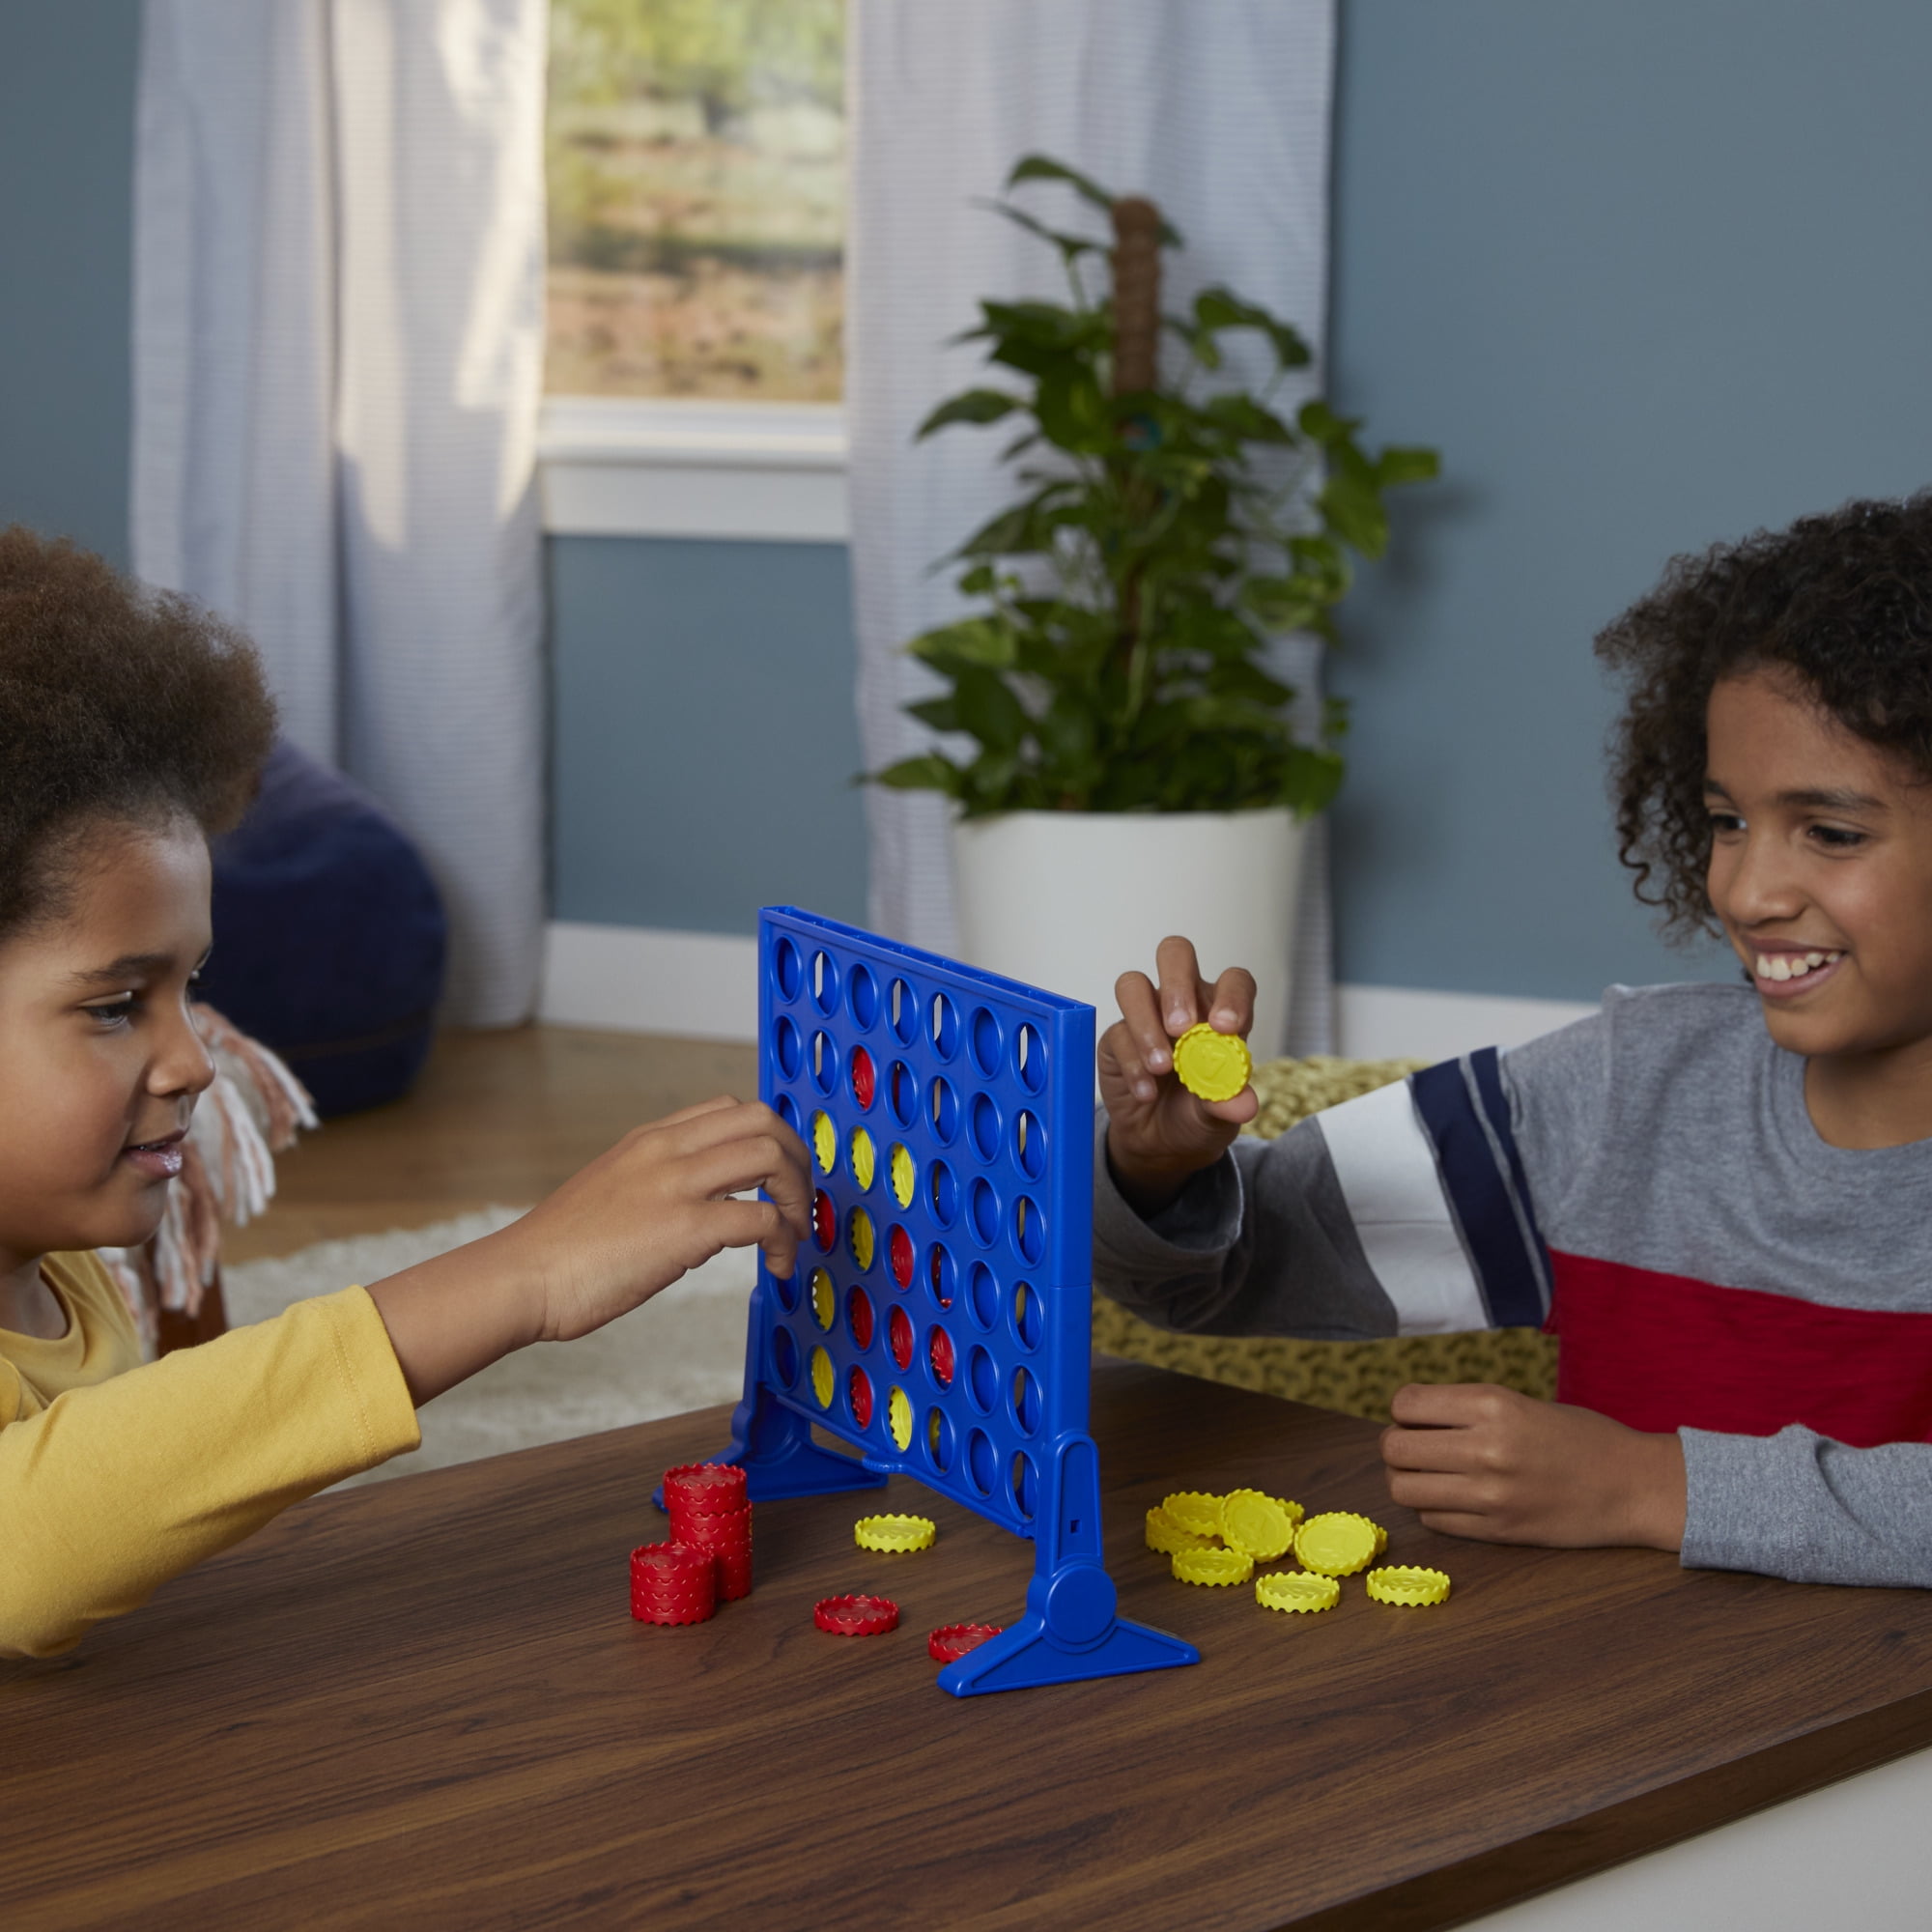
x: 671, y: 1584
x: 708, y: 1512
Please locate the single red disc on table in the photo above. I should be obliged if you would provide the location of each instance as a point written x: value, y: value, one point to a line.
x: 704, y: 1489
x: 824, y: 1221
x: 864, y: 1079
x: 899, y: 1333
x: 950, y: 1642
x: 672, y: 1584
x: 899, y: 1251
x: 856, y: 1616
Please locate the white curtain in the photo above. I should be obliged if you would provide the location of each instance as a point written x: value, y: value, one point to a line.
x: 338, y: 363
x: 1219, y: 110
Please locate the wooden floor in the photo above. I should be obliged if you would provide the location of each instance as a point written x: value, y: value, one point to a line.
x: 497, y: 1116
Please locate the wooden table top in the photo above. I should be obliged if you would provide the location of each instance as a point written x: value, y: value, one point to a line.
x: 424, y: 1702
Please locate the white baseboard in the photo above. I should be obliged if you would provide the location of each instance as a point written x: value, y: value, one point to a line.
x: 627, y: 979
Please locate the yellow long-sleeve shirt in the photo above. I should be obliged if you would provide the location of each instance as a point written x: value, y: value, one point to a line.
x: 117, y: 1474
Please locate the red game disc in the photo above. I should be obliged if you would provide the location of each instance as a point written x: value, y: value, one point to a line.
x: 824, y: 1220
x: 899, y: 1251
x: 727, y: 1539
x: 704, y: 1489
x: 864, y: 1079
x: 672, y: 1584
x: 899, y: 1335
x: 950, y: 1642
x: 856, y: 1616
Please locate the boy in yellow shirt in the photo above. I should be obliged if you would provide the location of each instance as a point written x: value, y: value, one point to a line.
x: 132, y: 728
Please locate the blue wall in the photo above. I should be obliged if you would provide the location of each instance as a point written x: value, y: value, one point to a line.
x: 705, y: 739
x: 66, y: 145
x: 1649, y: 274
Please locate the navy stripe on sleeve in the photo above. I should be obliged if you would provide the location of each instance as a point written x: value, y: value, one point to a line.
x: 1466, y: 1115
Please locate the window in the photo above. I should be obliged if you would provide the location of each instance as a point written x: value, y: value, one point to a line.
x: 695, y: 153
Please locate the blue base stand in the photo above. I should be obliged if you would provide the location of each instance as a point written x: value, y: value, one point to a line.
x: 1070, y: 1632
x: 782, y: 1460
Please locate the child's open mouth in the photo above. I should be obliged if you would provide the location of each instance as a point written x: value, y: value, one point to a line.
x: 1784, y: 975
x: 158, y: 1160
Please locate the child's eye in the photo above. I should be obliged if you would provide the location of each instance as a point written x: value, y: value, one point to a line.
x: 1723, y: 822
x: 1837, y: 838
x: 115, y: 1010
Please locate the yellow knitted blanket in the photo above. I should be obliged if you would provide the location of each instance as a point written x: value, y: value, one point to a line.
x: 1357, y: 1378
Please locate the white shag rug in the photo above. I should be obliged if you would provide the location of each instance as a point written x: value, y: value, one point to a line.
x: 683, y: 1348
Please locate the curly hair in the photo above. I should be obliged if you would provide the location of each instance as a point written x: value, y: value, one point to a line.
x: 1841, y: 602
x: 117, y: 704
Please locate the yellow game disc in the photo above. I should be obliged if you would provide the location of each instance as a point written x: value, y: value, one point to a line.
x: 1213, y: 1065
x: 1213, y: 1566
x: 1194, y: 1511
x: 898, y: 1534
x: 824, y: 1299
x: 1296, y: 1590
x: 824, y: 1141
x: 904, y: 1172
x: 823, y: 1378
x: 1337, y: 1544
x: 864, y: 1158
x: 1258, y: 1524
x: 1167, y: 1536
x: 1381, y: 1538
x: 858, y: 1235
x: 898, y: 1418
x: 1412, y: 1587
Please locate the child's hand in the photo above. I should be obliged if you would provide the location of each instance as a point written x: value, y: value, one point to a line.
x: 658, y: 1204
x: 655, y: 1206
x: 1488, y: 1463
x: 1157, y: 1132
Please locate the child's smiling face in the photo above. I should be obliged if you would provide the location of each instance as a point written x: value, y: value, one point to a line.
x: 100, y: 1062
x: 1820, y: 870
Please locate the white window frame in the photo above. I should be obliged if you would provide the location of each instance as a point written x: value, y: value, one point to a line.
x: 644, y: 466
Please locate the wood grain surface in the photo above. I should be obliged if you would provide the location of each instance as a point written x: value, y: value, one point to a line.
x: 423, y: 1703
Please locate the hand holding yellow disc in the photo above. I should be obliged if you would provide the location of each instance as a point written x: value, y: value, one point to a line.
x: 1211, y: 1066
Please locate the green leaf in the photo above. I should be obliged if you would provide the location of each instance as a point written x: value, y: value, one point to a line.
x: 928, y: 772
x: 1071, y: 247
x: 941, y: 713
x: 974, y: 642
x: 1319, y: 420
x: 1040, y: 167
x: 974, y: 406
x: 1397, y: 465
x: 988, y: 709
x: 1354, y: 510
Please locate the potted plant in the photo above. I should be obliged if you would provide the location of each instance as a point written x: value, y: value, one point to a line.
x: 1122, y: 756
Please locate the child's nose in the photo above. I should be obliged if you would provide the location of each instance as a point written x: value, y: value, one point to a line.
x: 183, y: 1066
x: 1761, y: 883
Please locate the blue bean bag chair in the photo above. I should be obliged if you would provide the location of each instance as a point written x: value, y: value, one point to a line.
x: 328, y: 935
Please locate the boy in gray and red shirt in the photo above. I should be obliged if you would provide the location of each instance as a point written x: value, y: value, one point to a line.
x: 1719, y: 1197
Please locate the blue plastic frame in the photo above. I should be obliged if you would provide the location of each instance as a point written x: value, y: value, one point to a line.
x: 957, y: 1058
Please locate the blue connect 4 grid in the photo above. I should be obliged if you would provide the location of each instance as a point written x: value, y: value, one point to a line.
x: 941, y: 1319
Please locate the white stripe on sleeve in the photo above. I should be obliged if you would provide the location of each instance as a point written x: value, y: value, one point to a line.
x: 1394, y: 1194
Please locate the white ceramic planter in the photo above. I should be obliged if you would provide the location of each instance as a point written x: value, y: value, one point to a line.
x: 1069, y: 900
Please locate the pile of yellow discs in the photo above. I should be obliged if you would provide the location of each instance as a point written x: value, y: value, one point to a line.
x: 1218, y: 1540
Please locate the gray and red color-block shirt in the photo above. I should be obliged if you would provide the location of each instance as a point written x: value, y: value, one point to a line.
x: 1648, y: 1184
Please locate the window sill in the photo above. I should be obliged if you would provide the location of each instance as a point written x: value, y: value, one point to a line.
x: 619, y: 466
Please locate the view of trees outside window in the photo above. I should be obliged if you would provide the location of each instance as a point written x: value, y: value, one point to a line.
x: 696, y: 157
